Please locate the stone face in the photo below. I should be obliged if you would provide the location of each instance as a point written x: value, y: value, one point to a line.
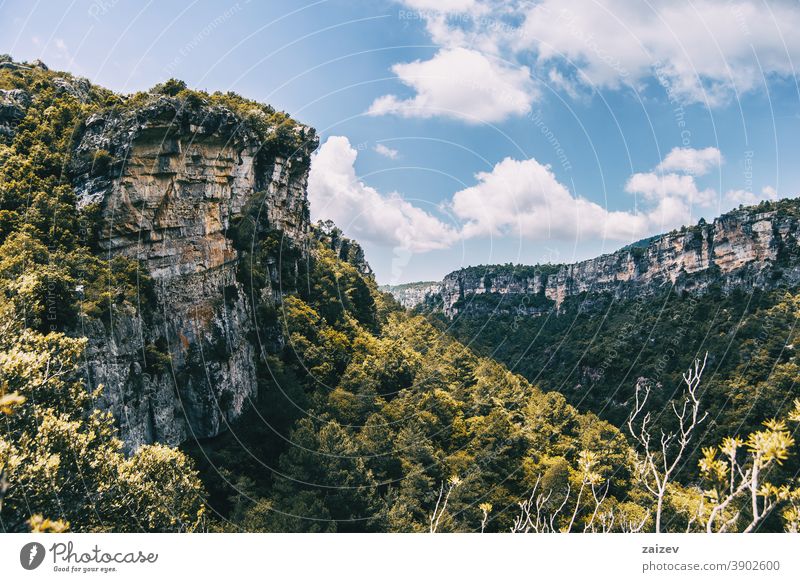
x: 410, y: 295
x: 742, y: 249
x: 168, y: 182
x: 13, y: 104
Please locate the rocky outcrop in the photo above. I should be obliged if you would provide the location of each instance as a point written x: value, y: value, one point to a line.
x: 167, y: 181
x: 348, y: 250
x: 752, y: 247
x: 13, y: 104
x: 409, y: 295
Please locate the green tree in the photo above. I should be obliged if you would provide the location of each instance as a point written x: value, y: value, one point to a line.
x: 60, y: 458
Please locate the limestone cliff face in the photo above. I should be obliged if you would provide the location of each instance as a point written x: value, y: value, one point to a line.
x: 746, y: 248
x: 409, y: 295
x: 167, y: 181
x: 13, y: 104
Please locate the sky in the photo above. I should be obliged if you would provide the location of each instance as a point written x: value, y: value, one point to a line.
x: 465, y: 132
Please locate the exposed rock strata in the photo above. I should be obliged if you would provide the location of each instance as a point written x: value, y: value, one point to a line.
x: 750, y: 247
x: 409, y: 295
x: 168, y: 182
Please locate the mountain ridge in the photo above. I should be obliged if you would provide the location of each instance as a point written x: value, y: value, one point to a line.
x: 749, y: 246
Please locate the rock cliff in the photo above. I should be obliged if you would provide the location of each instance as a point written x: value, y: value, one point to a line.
x: 13, y: 103
x: 410, y: 295
x: 748, y: 247
x: 167, y: 178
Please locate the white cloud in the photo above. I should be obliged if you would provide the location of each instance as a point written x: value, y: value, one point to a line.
x: 699, y: 51
x: 675, y: 198
x: 524, y: 198
x: 691, y: 161
x: 386, y: 151
x: 460, y: 83
x: 675, y: 195
x: 335, y: 193
x: 520, y: 198
x: 656, y: 186
x: 748, y: 197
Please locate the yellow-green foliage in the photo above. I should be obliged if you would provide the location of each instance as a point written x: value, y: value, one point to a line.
x: 61, y: 464
x: 744, y: 481
x: 380, y: 416
x: 62, y: 460
x: 46, y: 253
x: 277, y: 131
x: 380, y: 409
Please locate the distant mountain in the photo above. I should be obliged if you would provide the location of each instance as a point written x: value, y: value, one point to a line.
x: 752, y: 247
x: 592, y: 330
x: 412, y: 294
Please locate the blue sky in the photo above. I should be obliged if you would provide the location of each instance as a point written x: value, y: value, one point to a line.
x: 458, y: 132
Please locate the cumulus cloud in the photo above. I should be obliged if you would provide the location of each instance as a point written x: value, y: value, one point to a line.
x: 674, y: 196
x: 460, y: 83
x: 704, y: 51
x: 386, y: 151
x: 656, y: 186
x: 701, y: 51
x: 335, y: 193
x: 671, y: 190
x: 524, y: 198
x: 691, y: 161
x: 748, y: 197
x: 520, y: 198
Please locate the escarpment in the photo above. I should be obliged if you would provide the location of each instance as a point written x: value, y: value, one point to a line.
x: 167, y: 180
x: 754, y: 247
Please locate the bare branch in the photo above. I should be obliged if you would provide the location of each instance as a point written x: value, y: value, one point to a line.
x: 671, y: 445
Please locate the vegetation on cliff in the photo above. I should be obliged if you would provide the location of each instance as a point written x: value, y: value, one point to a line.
x: 372, y: 419
x: 61, y: 463
x: 367, y: 418
x: 367, y: 412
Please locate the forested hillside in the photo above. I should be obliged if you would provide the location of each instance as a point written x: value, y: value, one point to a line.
x: 181, y: 350
x: 595, y: 348
x: 590, y: 331
x: 62, y: 465
x: 367, y: 413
